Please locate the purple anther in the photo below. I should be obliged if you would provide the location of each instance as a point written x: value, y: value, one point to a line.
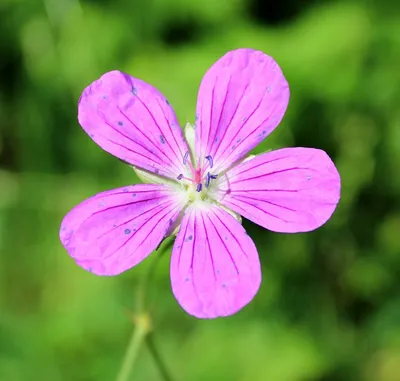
x: 207, y: 183
x: 180, y: 177
x: 199, y: 187
x: 185, y: 157
x: 209, y: 178
x: 210, y: 160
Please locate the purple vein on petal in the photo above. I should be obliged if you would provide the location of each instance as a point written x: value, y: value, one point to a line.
x: 127, y: 137
x: 263, y: 190
x: 266, y: 201
x: 267, y: 174
x: 223, y: 242
x: 258, y: 208
x: 261, y: 164
x: 209, y: 247
x: 132, y: 235
x: 130, y: 150
x: 231, y: 119
x: 159, y: 129
x: 233, y: 236
x: 148, y: 139
x: 168, y: 124
x: 171, y: 210
x: 240, y: 128
x: 249, y: 134
x: 210, y: 142
x: 181, y: 247
x: 115, y: 207
x: 211, y: 120
x: 134, y: 218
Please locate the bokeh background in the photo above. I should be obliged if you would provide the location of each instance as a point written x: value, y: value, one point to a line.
x: 329, y: 305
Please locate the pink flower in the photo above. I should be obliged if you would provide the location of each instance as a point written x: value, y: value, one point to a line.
x: 201, y: 181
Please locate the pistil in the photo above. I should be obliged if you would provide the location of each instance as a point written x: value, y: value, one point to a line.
x: 198, y: 177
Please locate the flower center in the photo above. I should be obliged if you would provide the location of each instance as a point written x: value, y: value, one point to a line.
x: 199, y: 178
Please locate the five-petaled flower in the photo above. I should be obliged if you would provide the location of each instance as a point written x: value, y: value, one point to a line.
x: 201, y: 181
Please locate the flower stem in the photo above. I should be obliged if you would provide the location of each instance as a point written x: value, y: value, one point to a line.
x: 157, y: 358
x: 139, y: 334
x: 142, y: 331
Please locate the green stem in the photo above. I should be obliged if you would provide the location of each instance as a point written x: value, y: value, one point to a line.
x: 139, y: 334
x: 157, y: 358
x: 143, y: 326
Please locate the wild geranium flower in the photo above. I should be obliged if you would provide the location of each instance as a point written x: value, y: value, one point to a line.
x: 201, y: 181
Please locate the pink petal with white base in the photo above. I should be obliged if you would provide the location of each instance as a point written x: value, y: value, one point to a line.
x: 133, y: 121
x: 242, y: 98
x: 115, y: 230
x: 215, y: 270
x: 288, y: 190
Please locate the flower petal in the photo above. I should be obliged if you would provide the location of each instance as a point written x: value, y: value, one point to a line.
x: 288, y: 190
x: 215, y: 270
x: 242, y: 98
x: 133, y: 121
x: 115, y: 230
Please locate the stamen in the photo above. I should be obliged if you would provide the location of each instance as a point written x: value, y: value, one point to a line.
x: 185, y: 157
x: 181, y: 177
x: 207, y: 184
x: 199, y: 187
x: 209, y: 178
x: 210, y: 160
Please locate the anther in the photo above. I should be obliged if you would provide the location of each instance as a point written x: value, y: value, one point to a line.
x: 209, y: 178
x: 199, y: 187
x: 210, y: 160
x: 180, y: 177
x: 185, y: 157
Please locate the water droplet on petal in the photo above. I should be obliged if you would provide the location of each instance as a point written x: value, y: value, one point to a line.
x: 134, y: 91
x: 120, y: 123
x: 127, y: 231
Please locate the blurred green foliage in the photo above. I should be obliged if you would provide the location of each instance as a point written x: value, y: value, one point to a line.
x: 329, y: 305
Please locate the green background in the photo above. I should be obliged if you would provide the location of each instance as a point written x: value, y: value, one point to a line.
x: 329, y: 305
